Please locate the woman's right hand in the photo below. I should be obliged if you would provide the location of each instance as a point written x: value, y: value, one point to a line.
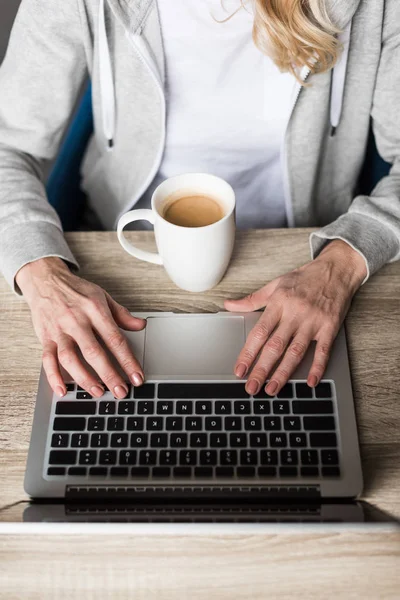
x: 68, y: 313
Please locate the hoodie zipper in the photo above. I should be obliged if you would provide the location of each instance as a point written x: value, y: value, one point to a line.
x: 285, y: 167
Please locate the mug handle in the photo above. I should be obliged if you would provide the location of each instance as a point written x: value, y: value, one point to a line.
x: 143, y: 214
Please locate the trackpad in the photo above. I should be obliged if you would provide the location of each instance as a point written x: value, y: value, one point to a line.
x: 193, y: 347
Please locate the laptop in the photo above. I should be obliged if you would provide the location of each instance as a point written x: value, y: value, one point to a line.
x: 191, y: 440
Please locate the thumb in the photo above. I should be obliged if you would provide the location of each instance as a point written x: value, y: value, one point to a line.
x: 123, y: 317
x: 253, y: 301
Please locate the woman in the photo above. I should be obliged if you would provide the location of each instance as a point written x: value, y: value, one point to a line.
x: 180, y: 85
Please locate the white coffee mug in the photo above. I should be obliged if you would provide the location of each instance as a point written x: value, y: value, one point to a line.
x: 195, y: 258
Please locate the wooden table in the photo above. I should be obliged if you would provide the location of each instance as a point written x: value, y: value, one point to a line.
x: 279, y: 565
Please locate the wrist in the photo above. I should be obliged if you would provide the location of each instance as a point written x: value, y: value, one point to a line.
x: 34, y: 273
x: 350, y: 263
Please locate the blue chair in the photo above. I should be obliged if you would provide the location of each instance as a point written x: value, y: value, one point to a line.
x: 63, y: 187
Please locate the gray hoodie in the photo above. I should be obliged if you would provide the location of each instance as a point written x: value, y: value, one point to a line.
x: 55, y: 46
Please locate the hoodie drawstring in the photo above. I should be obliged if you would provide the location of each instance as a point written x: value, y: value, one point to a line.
x: 106, y: 80
x: 338, y: 80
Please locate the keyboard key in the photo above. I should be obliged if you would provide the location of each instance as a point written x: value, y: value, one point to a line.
x: 99, y: 440
x: 238, y: 440
x: 267, y: 471
x: 202, y: 390
x: 278, y: 440
x: 248, y: 457
x: 224, y: 471
x: 198, y: 440
x: 119, y: 471
x: 286, y: 391
x: 292, y: 423
x: 228, y: 457
x: 319, y: 423
x: 148, y: 457
x: 127, y: 457
x: 98, y: 471
x: 288, y: 471
x: 203, y: 471
x: 119, y: 440
x: 242, y: 408
x: 75, y: 408
x: 140, y: 471
x: 203, y: 408
x: 329, y: 457
x: 208, y: 457
x: 269, y: 457
x: 62, y: 457
x: 252, y: 423
x: 108, y: 457
x: 115, y: 424
x: 83, y: 395
x: 223, y: 408
x: 138, y: 440
x: 56, y: 471
x: 125, y: 407
x: 233, y: 423
x: 154, y: 423
x: 145, y: 392
x: 60, y: 440
x: 245, y: 471
x: 272, y: 423
x: 184, y: 408
x: 309, y: 472
x: 96, y: 423
x: 281, y: 407
x: 70, y: 387
x: 309, y: 457
x: 174, y: 423
x: 69, y: 424
x: 289, y: 457
x: 166, y: 407
x: 188, y: 457
x: 330, y: 471
x: 178, y: 440
x: 218, y: 440
x: 213, y: 423
x: 80, y: 440
x: 303, y: 390
x: 145, y: 408
x: 161, y: 472
x: 168, y: 457
x: 261, y: 407
x: 258, y: 440
x: 107, y: 408
x: 323, y: 390
x: 135, y: 424
x: 159, y: 440
x: 262, y: 393
x: 323, y: 440
x: 182, y: 472
x: 312, y: 407
x: 298, y: 440
x: 194, y: 423
x: 77, y: 471
x: 87, y: 457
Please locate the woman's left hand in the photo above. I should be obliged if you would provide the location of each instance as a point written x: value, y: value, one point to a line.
x: 310, y: 303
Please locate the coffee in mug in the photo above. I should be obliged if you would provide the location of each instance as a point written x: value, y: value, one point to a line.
x: 188, y: 209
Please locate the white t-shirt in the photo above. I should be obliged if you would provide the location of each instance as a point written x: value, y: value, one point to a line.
x: 227, y: 106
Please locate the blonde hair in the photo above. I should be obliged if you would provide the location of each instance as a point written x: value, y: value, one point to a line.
x: 296, y: 33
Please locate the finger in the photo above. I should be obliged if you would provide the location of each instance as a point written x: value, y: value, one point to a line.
x: 321, y: 357
x: 68, y: 358
x: 123, y: 317
x: 52, y: 369
x: 292, y: 358
x: 271, y: 353
x: 253, y: 301
x: 118, y: 345
x: 256, y: 340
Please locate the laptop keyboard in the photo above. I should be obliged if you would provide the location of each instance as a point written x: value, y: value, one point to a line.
x: 195, y: 431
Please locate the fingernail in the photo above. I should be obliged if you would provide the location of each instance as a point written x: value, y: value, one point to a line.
x: 97, y: 391
x: 252, y: 387
x: 271, y: 388
x: 312, y: 381
x: 60, y: 391
x: 137, y: 379
x: 241, y: 370
x: 120, y: 391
